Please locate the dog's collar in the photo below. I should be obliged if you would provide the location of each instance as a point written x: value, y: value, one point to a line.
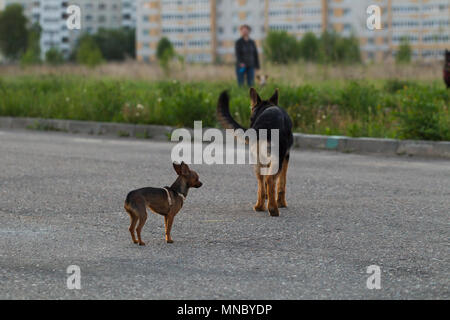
x: 169, y: 198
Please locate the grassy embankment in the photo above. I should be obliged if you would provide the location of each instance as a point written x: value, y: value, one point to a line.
x: 337, y: 105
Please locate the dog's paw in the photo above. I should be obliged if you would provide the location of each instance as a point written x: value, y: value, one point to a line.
x: 274, y: 212
x: 259, y: 207
x: 281, y: 203
x: 142, y: 243
x: 169, y: 241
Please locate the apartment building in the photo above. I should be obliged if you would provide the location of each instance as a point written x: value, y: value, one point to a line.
x: 129, y: 10
x: 205, y: 30
x: 425, y: 23
x: 188, y: 24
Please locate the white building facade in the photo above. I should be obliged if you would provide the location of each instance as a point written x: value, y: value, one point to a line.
x: 205, y: 30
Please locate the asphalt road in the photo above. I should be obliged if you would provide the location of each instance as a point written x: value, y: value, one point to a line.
x: 61, y: 204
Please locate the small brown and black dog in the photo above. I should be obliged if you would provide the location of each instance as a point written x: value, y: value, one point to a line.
x: 166, y: 201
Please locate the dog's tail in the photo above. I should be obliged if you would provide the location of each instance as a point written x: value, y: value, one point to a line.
x: 223, y: 113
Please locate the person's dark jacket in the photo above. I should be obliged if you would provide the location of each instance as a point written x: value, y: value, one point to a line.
x: 247, y: 53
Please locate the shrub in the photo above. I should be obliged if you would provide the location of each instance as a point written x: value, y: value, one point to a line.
x: 33, y: 53
x: 335, y: 48
x: 309, y: 47
x: 354, y: 108
x: 54, y: 57
x: 404, y: 52
x: 423, y: 115
x: 13, y: 31
x: 359, y: 100
x: 116, y: 44
x: 165, y: 53
x: 281, y: 47
x: 394, y: 85
x: 88, y: 52
x: 164, y: 49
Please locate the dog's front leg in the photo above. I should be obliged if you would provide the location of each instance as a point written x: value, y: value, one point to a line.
x: 168, y: 220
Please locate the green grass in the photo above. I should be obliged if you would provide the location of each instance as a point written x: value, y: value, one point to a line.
x: 386, y: 109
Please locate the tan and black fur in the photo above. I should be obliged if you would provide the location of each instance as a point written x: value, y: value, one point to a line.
x: 158, y: 201
x: 266, y: 114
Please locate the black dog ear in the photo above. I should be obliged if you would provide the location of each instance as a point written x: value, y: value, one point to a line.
x: 274, y: 98
x: 254, y: 97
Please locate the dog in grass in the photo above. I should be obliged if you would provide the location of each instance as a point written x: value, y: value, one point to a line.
x: 265, y: 114
x: 262, y: 80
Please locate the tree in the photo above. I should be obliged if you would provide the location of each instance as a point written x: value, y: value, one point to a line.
x: 404, y: 52
x: 54, y: 57
x: 32, y: 54
x: 337, y: 49
x: 164, y: 49
x: 309, y: 47
x: 281, y: 47
x: 328, y: 44
x: 88, y: 52
x: 347, y: 50
x: 13, y: 31
x: 116, y: 44
x: 165, y: 53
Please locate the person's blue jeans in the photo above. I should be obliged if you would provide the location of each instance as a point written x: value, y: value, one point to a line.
x: 248, y: 72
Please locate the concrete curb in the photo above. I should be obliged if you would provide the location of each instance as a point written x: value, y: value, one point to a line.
x: 301, y: 141
x: 155, y: 132
x: 373, y: 145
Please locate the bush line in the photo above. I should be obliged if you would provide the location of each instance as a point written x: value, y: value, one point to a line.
x: 391, y: 109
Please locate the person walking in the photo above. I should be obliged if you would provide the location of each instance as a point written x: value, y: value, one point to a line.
x: 247, y: 60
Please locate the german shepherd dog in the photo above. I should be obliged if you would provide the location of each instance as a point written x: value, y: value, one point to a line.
x: 265, y: 114
x: 447, y: 68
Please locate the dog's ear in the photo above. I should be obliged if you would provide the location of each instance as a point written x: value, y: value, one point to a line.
x: 267, y: 76
x: 177, y: 168
x: 184, y: 169
x: 181, y: 169
x: 254, y: 97
x: 258, y: 77
x: 274, y: 98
